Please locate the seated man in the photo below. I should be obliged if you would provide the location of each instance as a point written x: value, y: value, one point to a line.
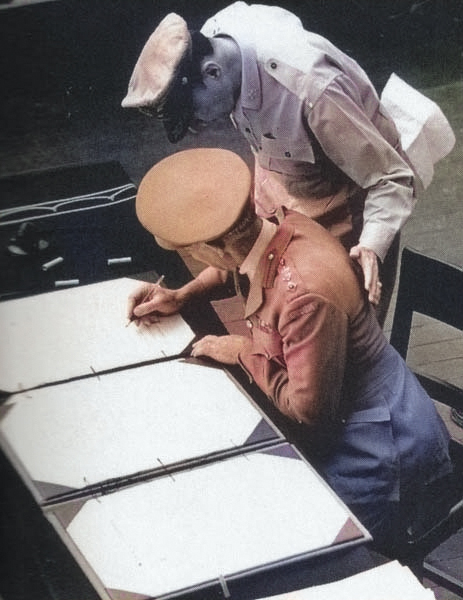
x: 315, y: 346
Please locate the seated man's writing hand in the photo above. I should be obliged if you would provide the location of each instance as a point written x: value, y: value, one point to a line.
x: 149, y: 301
x: 368, y: 260
x: 224, y: 349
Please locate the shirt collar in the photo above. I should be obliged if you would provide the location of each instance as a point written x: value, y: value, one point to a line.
x: 251, y: 92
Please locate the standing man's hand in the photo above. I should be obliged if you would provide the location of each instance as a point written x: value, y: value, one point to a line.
x: 368, y: 260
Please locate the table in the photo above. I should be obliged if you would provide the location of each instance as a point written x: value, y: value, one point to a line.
x: 36, y: 562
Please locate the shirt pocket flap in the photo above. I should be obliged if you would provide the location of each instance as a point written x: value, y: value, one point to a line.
x: 288, y: 149
x: 266, y: 342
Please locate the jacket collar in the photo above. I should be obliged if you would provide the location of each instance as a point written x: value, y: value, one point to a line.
x: 267, y: 269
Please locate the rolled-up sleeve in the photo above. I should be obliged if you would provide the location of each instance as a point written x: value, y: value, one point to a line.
x: 305, y: 382
x: 350, y: 139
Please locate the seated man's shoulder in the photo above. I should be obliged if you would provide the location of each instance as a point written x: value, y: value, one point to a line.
x: 323, y: 264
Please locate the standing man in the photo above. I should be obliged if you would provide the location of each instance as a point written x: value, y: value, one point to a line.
x: 315, y: 346
x: 323, y: 143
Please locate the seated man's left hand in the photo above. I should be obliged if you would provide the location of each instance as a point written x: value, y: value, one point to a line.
x: 368, y: 260
x: 224, y: 349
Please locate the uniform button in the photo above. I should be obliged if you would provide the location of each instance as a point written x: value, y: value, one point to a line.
x: 271, y: 256
x: 247, y: 130
x: 310, y: 104
x: 291, y: 286
x: 288, y: 154
x: 249, y: 324
x: 273, y: 65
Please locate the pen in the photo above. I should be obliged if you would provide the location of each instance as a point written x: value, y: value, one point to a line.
x: 146, y: 298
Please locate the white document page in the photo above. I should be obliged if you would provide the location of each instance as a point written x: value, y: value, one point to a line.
x: 89, y: 430
x: 68, y: 333
x: 390, y: 581
x: 198, y: 525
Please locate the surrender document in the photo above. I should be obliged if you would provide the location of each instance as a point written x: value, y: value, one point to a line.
x: 79, y: 331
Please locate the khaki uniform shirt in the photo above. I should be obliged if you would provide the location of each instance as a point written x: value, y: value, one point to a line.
x: 316, y: 126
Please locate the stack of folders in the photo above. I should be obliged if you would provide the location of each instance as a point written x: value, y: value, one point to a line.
x: 390, y: 581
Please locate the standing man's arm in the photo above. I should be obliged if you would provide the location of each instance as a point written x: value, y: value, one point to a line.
x: 353, y: 143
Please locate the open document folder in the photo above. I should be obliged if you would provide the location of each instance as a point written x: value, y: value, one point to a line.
x: 79, y: 331
x: 88, y: 436
x: 390, y: 581
x: 199, y: 528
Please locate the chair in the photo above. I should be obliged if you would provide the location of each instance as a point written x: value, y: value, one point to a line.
x: 435, y: 289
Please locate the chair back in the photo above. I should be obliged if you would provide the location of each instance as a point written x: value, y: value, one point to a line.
x: 432, y: 288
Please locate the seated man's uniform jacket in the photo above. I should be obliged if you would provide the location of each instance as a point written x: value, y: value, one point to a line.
x: 320, y: 356
x: 323, y: 143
